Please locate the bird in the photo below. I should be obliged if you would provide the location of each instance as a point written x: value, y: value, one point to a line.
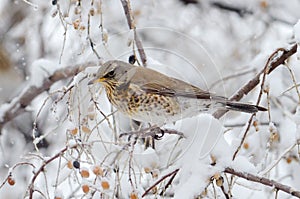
x: 147, y: 95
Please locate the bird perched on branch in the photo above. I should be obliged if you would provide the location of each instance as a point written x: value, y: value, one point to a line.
x: 146, y: 95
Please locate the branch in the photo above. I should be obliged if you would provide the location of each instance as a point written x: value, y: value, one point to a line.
x: 264, y: 181
x: 173, y: 173
x: 286, y: 53
x: 42, y: 169
x: 18, y: 104
x: 131, y: 25
x: 239, y: 10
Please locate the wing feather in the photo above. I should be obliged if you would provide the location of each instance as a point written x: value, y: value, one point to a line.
x: 155, y: 82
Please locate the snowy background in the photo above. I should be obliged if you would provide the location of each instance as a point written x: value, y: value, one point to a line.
x: 64, y: 142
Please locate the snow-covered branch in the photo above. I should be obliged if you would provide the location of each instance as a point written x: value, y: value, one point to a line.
x: 131, y: 25
x: 264, y: 181
x: 19, y: 103
x: 250, y: 85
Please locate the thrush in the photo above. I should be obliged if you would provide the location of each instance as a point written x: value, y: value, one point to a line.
x: 149, y: 96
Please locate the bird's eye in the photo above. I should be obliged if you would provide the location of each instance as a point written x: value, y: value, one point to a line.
x: 110, y: 74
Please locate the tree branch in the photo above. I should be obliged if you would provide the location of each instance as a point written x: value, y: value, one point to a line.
x: 131, y: 25
x: 264, y: 181
x: 286, y: 53
x: 173, y: 173
x: 42, y: 169
x: 17, y: 106
x: 239, y: 10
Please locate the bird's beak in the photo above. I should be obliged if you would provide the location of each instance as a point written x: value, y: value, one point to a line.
x: 95, y: 80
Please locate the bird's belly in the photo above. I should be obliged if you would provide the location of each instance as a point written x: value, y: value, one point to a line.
x: 157, y: 109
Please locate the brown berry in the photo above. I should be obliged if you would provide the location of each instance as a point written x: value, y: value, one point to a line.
x: 92, y: 11
x: 105, y: 185
x: 11, y: 181
x: 133, y: 195
x: 213, y: 160
x: 98, y: 171
x: 76, y: 24
x: 147, y: 170
x: 82, y: 28
x: 85, y: 173
x: 255, y: 123
x: 219, y: 181
x: 246, y: 145
x: 70, y: 164
x: 154, y: 190
x: 264, y: 4
x: 155, y: 173
x: 74, y: 131
x: 85, y: 129
x: 85, y: 188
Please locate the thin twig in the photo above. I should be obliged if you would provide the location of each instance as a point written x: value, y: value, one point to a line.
x: 264, y: 181
x: 13, y: 168
x: 131, y: 25
x: 269, y: 67
x: 227, y: 196
x: 18, y: 105
x: 294, y: 81
x: 265, y: 71
x: 159, y: 181
x: 169, y: 182
x: 275, y: 162
x: 232, y: 76
x: 90, y: 39
x: 286, y: 53
x: 42, y: 168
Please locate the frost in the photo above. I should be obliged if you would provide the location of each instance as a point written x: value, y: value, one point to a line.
x: 209, y: 46
x: 59, y: 194
x: 297, y: 31
x: 41, y: 69
x: 72, y: 143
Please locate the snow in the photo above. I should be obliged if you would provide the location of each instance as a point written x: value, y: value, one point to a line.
x: 41, y: 69
x: 201, y: 44
x: 297, y: 31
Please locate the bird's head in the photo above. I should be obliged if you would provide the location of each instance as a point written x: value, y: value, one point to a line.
x: 112, y: 73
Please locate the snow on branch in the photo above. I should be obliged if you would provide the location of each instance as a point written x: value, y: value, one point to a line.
x: 250, y: 85
x: 264, y: 181
x: 17, y: 106
x: 131, y: 25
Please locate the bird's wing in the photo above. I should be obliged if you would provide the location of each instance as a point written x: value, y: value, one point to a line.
x: 155, y: 82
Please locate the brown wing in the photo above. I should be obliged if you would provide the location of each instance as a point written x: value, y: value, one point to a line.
x: 155, y: 82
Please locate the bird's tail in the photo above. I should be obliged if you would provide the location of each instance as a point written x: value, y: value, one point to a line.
x: 242, y: 107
